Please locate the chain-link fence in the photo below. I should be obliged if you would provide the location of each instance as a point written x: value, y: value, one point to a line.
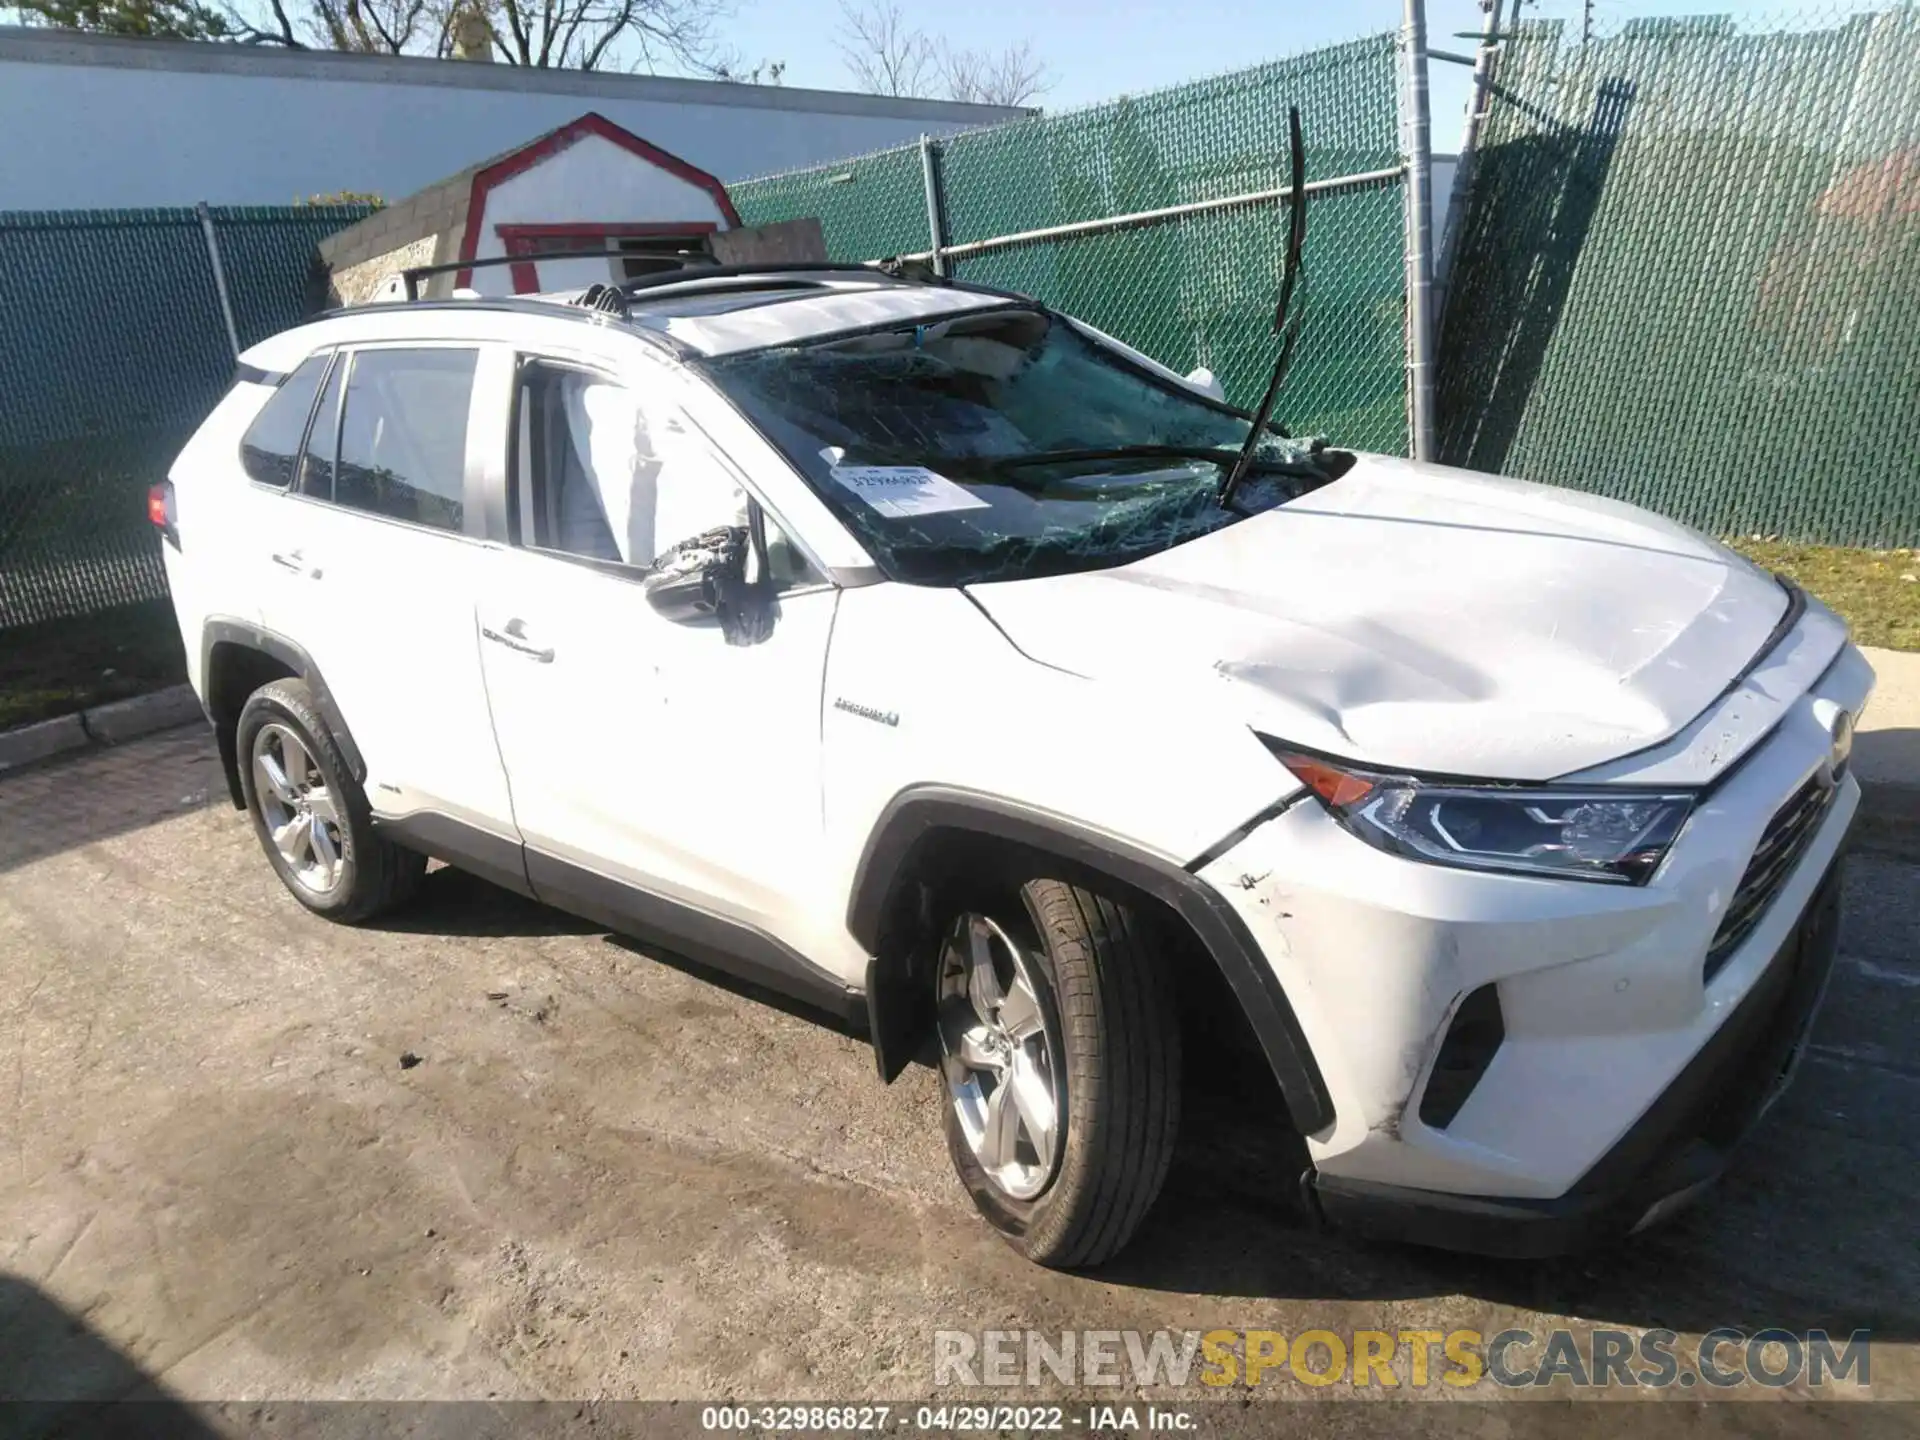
x: 1689, y: 274
x: 1194, y: 289
x: 112, y: 349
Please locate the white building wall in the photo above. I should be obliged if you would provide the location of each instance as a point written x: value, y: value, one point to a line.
x: 98, y: 123
x: 592, y: 179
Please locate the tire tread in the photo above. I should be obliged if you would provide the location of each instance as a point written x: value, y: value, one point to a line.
x: 385, y: 875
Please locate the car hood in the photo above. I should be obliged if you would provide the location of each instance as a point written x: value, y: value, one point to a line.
x: 1422, y: 618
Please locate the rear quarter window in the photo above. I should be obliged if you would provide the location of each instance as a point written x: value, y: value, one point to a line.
x: 272, y: 443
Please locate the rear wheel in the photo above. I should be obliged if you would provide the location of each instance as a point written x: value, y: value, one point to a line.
x: 1060, y: 1063
x: 310, y: 813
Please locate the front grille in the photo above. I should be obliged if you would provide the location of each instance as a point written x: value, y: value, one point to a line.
x: 1786, y: 836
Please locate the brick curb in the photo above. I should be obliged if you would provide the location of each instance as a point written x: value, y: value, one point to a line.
x: 110, y: 724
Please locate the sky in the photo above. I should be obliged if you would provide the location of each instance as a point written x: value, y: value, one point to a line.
x: 1098, y: 49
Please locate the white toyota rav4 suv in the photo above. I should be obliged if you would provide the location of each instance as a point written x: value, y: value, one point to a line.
x: 887, y: 642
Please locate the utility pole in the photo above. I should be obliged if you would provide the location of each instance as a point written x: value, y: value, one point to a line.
x: 1586, y: 21
x: 1417, y: 143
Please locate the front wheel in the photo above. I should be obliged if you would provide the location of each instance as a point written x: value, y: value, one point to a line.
x: 1060, y: 1063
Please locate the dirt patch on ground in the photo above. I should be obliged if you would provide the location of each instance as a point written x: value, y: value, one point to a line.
x: 606, y: 1177
x: 56, y: 667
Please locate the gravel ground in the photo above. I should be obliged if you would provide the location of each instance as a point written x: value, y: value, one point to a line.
x: 607, y: 1176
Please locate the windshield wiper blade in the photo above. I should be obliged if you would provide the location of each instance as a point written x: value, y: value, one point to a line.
x: 1287, y: 329
x: 1218, y: 454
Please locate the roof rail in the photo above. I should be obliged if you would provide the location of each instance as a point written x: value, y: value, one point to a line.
x: 877, y: 269
x: 414, y: 274
x: 698, y: 261
x: 905, y: 272
x: 696, y: 266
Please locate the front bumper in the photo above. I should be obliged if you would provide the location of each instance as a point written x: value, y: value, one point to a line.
x: 1677, y: 1148
x: 1626, y: 1029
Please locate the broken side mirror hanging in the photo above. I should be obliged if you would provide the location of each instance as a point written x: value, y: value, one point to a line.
x: 718, y: 575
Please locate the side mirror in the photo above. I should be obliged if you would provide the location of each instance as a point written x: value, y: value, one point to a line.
x: 705, y: 578
x: 1207, y: 383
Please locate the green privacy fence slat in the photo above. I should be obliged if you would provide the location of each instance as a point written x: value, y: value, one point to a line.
x: 1201, y: 291
x: 868, y: 206
x: 1213, y: 138
x: 112, y: 349
x: 1195, y: 291
x: 1689, y: 275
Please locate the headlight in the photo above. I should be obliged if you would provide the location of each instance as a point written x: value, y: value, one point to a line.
x: 1613, y: 835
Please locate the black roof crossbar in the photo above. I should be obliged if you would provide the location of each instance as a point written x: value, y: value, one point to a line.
x: 906, y: 272
x: 696, y: 266
x: 881, y: 269
x: 414, y: 274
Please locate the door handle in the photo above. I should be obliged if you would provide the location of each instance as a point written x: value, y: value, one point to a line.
x: 293, y: 561
x: 514, y: 638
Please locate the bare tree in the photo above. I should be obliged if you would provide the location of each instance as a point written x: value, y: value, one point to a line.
x: 1012, y: 77
x: 592, y: 34
x: 382, y: 27
x: 545, y: 34
x: 890, y: 57
x: 886, y: 55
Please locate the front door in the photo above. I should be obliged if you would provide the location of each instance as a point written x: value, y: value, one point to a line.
x: 641, y: 751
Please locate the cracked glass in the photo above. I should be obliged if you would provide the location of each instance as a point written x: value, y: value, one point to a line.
x: 1007, y: 445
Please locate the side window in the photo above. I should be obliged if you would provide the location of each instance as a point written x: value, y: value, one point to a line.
x: 602, y: 473
x: 323, y: 439
x: 403, y: 435
x: 268, y: 449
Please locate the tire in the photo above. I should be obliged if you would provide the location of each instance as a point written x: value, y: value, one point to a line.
x: 297, y: 783
x: 1110, y: 1025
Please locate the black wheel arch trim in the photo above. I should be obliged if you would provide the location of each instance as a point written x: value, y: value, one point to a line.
x: 919, y: 812
x: 254, y: 637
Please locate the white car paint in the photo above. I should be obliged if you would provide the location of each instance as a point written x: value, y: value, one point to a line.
x: 1403, y: 616
x: 1427, y: 620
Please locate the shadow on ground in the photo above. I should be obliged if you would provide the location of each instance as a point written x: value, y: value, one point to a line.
x: 454, y: 902
x: 59, y: 1377
x: 1888, y: 765
x: 76, y: 800
x: 1811, y: 1228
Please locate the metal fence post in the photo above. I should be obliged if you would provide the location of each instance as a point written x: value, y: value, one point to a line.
x: 1478, y: 104
x: 219, y: 274
x: 936, y: 202
x: 1417, y: 143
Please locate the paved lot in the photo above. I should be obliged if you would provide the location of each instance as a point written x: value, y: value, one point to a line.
x: 609, y: 1177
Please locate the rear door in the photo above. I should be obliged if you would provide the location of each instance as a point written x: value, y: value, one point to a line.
x: 269, y: 459
x: 378, y: 560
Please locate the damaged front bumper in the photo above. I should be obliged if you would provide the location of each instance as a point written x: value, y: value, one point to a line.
x: 1672, y: 1153
x: 1622, y: 1037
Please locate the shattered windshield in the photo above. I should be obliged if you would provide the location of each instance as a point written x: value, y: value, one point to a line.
x: 1004, y: 445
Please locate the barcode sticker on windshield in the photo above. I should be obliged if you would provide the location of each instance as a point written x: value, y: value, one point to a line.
x: 903, y: 490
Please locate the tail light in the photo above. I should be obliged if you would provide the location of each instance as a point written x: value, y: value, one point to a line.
x: 161, y: 511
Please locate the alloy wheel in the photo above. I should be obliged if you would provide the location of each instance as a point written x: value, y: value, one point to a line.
x: 301, y: 815
x: 1000, y: 1056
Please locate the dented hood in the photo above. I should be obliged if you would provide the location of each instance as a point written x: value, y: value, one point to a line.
x: 1417, y: 617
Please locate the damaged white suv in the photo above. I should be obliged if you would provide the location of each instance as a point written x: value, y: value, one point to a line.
x: 903, y: 646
